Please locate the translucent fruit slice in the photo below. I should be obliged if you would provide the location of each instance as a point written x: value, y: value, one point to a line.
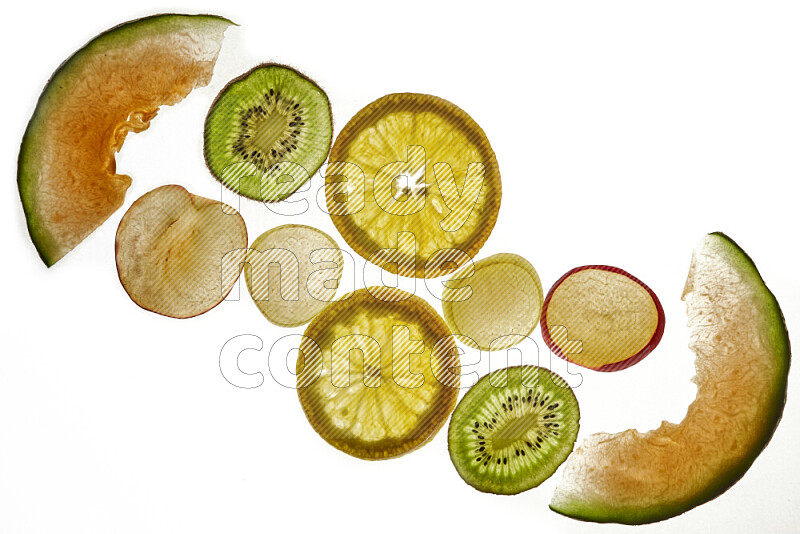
x: 268, y: 132
x: 379, y: 373
x: 413, y: 173
x: 513, y: 429
x: 494, y: 304
x: 305, y: 261
x: 601, y: 318
x: 742, y: 359
x: 179, y: 254
x: 114, y: 85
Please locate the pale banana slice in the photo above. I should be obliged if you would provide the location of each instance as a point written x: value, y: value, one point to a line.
x: 306, y: 266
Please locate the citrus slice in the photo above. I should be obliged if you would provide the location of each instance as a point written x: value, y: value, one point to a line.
x: 179, y: 254
x: 379, y: 373
x: 742, y: 359
x: 601, y: 318
x: 114, y: 85
x: 413, y: 185
x: 496, y: 305
x: 309, y: 266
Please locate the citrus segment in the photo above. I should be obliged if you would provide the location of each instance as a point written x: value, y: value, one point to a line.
x: 413, y: 164
x: 742, y: 360
x: 601, y: 318
x: 379, y: 373
x: 494, y: 304
x: 114, y: 85
x: 292, y: 273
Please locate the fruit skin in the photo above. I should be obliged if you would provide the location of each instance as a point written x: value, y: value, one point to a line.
x: 773, y: 334
x: 616, y: 366
x: 50, y: 249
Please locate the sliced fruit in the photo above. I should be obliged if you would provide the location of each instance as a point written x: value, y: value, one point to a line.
x: 179, y: 254
x: 601, y: 318
x: 494, y: 304
x: 513, y: 429
x: 308, y: 264
x: 742, y: 360
x: 413, y: 185
x: 268, y: 132
x: 379, y: 373
x: 114, y: 85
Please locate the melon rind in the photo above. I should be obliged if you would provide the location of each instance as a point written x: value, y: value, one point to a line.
x: 637, y: 478
x: 203, y: 32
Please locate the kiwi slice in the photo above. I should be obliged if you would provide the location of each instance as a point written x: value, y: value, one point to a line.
x: 268, y: 132
x: 513, y: 429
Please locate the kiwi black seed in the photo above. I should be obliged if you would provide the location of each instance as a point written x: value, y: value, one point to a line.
x: 268, y: 132
x: 511, y: 432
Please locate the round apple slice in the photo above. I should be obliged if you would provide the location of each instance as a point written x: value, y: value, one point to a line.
x: 179, y: 254
x: 601, y: 318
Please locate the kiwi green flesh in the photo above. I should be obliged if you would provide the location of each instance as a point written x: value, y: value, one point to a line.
x: 271, y: 115
x: 506, y: 439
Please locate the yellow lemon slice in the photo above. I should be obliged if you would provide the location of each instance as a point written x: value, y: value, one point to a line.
x: 378, y: 373
x: 413, y: 185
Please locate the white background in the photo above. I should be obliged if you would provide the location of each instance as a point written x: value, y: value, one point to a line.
x: 624, y: 132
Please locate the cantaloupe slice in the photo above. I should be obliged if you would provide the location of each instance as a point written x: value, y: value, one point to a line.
x: 114, y: 85
x: 742, y: 348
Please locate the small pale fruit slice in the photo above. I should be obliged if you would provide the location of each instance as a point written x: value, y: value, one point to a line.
x: 179, y: 254
x: 413, y: 185
x: 742, y: 359
x: 495, y: 303
x: 601, y: 318
x: 378, y: 373
x: 114, y: 85
x: 308, y: 265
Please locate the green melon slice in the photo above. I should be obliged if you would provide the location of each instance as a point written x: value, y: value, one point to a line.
x: 742, y: 348
x: 114, y: 85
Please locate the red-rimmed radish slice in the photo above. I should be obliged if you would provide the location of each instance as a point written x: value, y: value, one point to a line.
x: 601, y: 318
